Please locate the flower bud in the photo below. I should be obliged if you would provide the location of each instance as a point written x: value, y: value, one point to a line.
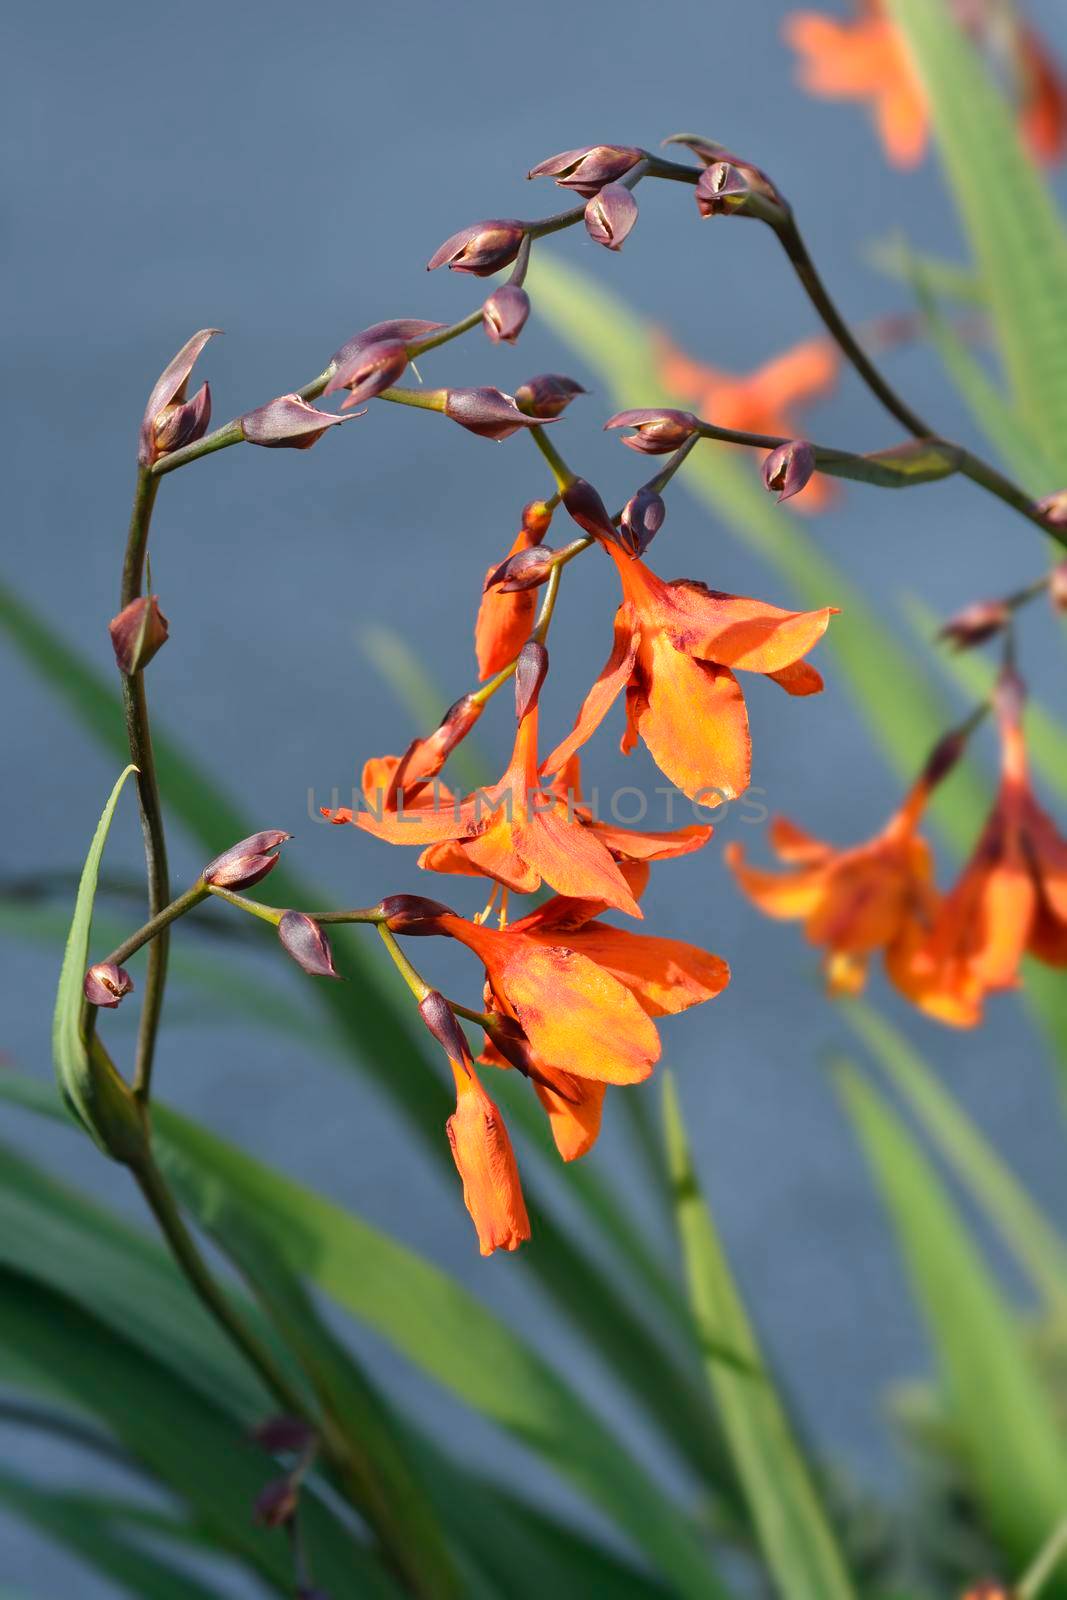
x: 287, y: 423
x: 413, y: 914
x: 487, y: 412
x: 531, y: 669
x: 105, y: 985
x: 486, y: 1163
x: 183, y: 422
x: 505, y: 312
x: 536, y: 516
x: 943, y: 758
x: 246, y: 862
x: 706, y: 150
x: 722, y: 189
x: 789, y: 468
x: 526, y: 569
x: 137, y: 633
x: 588, y: 510
x: 284, y: 1435
x: 401, y: 330
x: 590, y: 168
x: 168, y: 396
x: 1054, y: 508
x: 1009, y: 697
x: 277, y: 1504
x: 481, y: 249
x: 975, y: 624
x: 609, y: 215
x: 547, y: 395
x: 307, y: 944
x: 656, y: 433
x: 441, y: 1021
x: 1057, y: 586
x: 642, y: 518
x: 369, y: 370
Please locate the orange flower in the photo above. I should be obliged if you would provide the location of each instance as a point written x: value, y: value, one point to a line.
x: 1010, y: 898
x: 675, y: 646
x: 855, y: 901
x: 762, y: 401
x: 867, y: 59
x: 664, y: 976
x: 486, y: 1163
x: 504, y: 620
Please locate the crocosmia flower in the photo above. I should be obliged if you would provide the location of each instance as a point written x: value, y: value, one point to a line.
x: 486, y: 1162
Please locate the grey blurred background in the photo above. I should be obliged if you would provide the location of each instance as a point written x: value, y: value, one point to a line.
x: 283, y: 173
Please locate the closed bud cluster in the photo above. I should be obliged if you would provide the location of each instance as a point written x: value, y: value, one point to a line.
x: 137, y: 633
x: 489, y: 413
x: 656, y: 433
x: 789, y: 469
x: 642, y: 517
x: 588, y: 510
x: 288, y: 423
x: 170, y: 420
x: 482, y: 249
x: 246, y: 862
x: 531, y: 670
x: 105, y: 985
x: 548, y: 395
x: 308, y: 945
x: 975, y: 624
x: 505, y: 312
x: 590, y: 168
x: 610, y: 215
x: 370, y: 369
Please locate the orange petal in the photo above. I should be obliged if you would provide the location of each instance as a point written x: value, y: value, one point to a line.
x: 692, y: 717
x: 486, y: 1162
x: 666, y: 976
x: 949, y: 996
x: 573, y: 860
x: 792, y: 844
x: 804, y: 372
x: 631, y: 844
x: 504, y: 621
x: 734, y: 631
x: 605, y: 691
x: 574, y: 1116
x: 1044, y: 109
x: 778, y: 894
x: 800, y: 678
x: 866, y: 897
x: 901, y: 119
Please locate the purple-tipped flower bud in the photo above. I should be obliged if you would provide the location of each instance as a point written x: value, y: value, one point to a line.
x: 526, y: 569
x: 505, y: 312
x: 706, y: 150
x: 413, y: 914
x: 284, y: 1435
x: 168, y: 395
x: 487, y: 412
x: 441, y: 1021
x: 106, y: 984
x: 642, y: 518
x: 590, y: 168
x: 183, y: 423
x: 246, y: 862
x: 1009, y: 697
x: 722, y: 189
x: 1057, y: 586
x: 400, y: 330
x: 588, y: 510
x: 277, y: 1504
x: 536, y: 515
x: 307, y: 944
x: 1054, y: 508
x: 138, y: 631
x: 789, y: 468
x: 369, y: 370
x: 975, y: 624
x: 531, y: 669
x: 481, y: 249
x: 609, y: 215
x: 943, y: 758
x: 288, y: 423
x: 547, y: 395
x: 656, y: 433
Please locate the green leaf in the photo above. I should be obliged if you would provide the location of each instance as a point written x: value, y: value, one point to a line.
x: 1029, y: 1236
x: 1013, y: 1454
x: 794, y: 1534
x: 900, y: 467
x: 1012, y: 224
x: 97, y: 1097
x: 949, y: 280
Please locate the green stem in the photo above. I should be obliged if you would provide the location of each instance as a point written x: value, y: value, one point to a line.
x: 1044, y: 1564
x: 139, y: 738
x: 562, y: 474
x: 274, y: 914
x: 151, y: 930
x: 414, y: 979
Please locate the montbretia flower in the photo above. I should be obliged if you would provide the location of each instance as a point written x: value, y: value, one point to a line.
x: 505, y: 620
x: 854, y: 902
x: 610, y: 215
x: 676, y: 648
x: 762, y: 401
x: 170, y: 420
x: 505, y: 313
x: 288, y: 423
x: 866, y: 58
x: 481, y: 249
x: 664, y: 976
x: 486, y: 1163
x: 1010, y: 900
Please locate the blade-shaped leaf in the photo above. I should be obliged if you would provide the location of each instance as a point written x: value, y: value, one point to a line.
x: 900, y: 467
x: 1014, y: 231
x: 1014, y: 1456
x: 949, y: 280
x: 794, y: 1534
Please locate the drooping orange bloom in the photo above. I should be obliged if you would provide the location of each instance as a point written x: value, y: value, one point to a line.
x: 505, y: 620
x: 1011, y: 897
x: 854, y: 902
x: 486, y: 1162
x: 763, y: 401
x: 866, y: 58
x: 664, y: 976
x: 676, y: 645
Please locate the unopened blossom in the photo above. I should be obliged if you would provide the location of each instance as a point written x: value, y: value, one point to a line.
x: 505, y: 620
x: 486, y: 1163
